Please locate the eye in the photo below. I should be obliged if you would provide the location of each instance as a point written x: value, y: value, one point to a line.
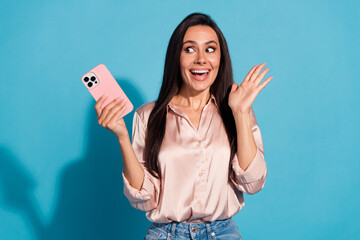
x: 211, y: 49
x: 189, y: 49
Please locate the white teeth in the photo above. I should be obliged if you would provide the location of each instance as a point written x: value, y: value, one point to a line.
x: 199, y: 71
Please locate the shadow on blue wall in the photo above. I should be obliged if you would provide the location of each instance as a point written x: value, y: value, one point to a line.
x: 90, y: 203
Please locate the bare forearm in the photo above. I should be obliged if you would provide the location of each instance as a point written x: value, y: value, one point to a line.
x: 246, y: 146
x: 133, y: 171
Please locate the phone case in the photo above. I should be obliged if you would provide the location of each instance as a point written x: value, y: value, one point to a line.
x: 99, y: 82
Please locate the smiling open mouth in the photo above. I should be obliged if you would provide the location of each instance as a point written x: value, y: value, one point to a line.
x: 200, y: 75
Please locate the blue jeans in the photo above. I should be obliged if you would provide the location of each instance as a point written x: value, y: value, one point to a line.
x: 225, y: 229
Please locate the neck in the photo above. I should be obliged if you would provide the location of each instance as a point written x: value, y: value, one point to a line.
x: 193, y: 101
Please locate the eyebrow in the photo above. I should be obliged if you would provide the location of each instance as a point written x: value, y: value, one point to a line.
x: 193, y: 42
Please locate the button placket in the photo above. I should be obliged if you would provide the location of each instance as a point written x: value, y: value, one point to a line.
x: 202, y: 170
x: 198, y: 185
x: 200, y: 166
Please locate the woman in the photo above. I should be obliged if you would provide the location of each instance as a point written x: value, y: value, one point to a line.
x: 183, y: 167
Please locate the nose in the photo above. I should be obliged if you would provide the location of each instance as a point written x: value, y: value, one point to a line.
x: 200, y: 58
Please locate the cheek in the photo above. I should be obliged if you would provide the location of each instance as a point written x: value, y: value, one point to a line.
x: 185, y: 59
x: 183, y: 69
x: 215, y: 61
x: 184, y: 62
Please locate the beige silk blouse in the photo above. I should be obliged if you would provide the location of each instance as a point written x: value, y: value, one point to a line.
x: 194, y: 167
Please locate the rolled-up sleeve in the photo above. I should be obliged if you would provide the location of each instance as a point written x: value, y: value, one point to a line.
x: 252, y: 180
x: 147, y: 197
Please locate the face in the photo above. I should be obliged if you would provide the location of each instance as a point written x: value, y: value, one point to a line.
x: 199, y: 58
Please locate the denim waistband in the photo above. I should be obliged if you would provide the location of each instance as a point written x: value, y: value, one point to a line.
x: 184, y: 228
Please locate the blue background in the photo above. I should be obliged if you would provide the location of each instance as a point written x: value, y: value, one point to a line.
x: 60, y: 171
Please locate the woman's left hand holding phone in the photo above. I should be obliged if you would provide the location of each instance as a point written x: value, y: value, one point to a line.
x: 107, y: 117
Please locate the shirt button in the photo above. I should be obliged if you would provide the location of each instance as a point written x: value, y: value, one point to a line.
x: 198, y: 145
x: 199, y: 202
x: 212, y: 234
x: 200, y: 174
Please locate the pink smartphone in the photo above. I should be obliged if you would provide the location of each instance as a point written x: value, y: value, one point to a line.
x: 99, y: 82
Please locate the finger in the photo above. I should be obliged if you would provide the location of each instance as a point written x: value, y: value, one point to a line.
x: 261, y: 76
x: 263, y: 84
x: 234, y: 86
x: 250, y: 72
x: 101, y: 99
x: 109, y: 114
x: 107, y: 108
x: 117, y: 114
x: 113, y: 111
x: 256, y: 72
x: 99, y: 102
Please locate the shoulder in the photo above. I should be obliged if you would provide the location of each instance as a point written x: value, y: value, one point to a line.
x: 144, y: 111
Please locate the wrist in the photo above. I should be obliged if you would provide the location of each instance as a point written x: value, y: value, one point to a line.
x: 123, y: 139
x: 241, y: 113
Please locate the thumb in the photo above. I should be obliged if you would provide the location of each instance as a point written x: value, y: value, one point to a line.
x: 233, y: 87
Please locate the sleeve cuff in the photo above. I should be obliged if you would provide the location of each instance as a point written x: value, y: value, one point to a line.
x: 136, y: 196
x: 255, y: 171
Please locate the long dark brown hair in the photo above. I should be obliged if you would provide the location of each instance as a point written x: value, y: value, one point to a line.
x: 171, y: 85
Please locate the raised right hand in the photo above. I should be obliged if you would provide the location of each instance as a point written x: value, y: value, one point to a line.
x: 107, y: 117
